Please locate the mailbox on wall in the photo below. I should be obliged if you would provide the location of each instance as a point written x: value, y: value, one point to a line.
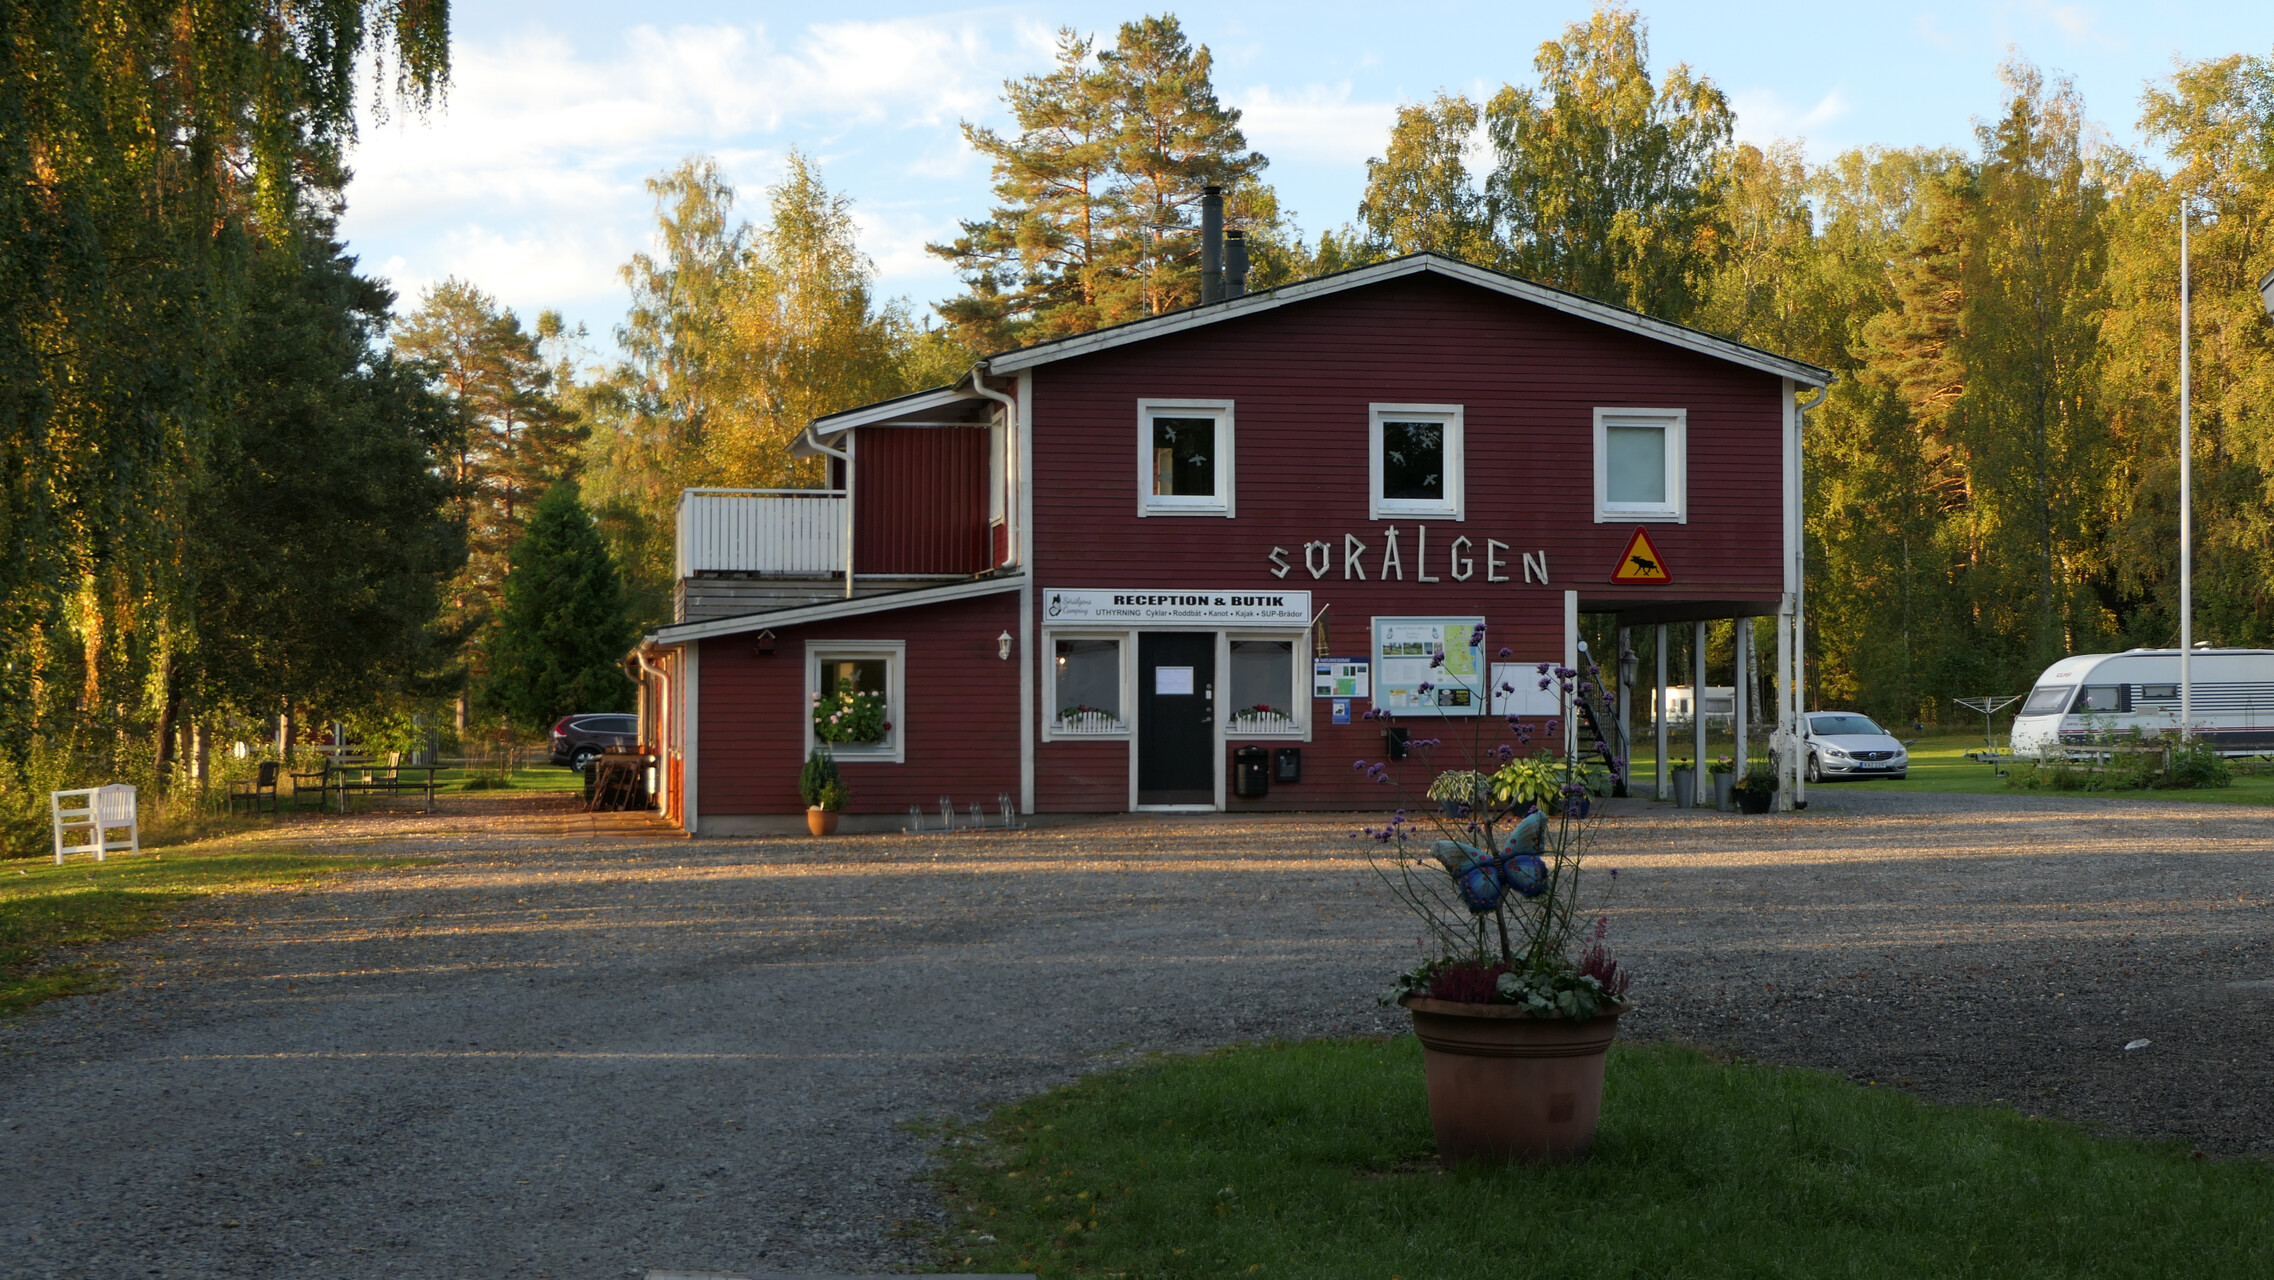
x: 1287, y: 764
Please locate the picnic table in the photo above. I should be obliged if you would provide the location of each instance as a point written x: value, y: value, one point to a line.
x: 379, y: 779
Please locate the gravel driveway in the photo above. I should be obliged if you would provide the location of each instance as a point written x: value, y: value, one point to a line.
x: 569, y: 1049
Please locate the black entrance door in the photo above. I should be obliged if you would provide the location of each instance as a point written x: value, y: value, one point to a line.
x: 1176, y: 720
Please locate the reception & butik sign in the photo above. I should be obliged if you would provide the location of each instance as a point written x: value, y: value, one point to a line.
x: 1250, y: 608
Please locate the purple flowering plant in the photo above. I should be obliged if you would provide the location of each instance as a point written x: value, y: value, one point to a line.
x: 1494, y: 868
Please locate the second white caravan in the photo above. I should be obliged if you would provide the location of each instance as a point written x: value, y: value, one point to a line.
x: 2232, y: 699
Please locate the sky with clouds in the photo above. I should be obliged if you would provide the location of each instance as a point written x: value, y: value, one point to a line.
x: 528, y: 180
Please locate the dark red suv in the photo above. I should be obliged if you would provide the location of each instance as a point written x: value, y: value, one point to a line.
x: 579, y: 740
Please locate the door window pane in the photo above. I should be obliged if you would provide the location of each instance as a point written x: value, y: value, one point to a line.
x: 1413, y: 461
x: 1089, y: 685
x: 1263, y: 687
x: 1634, y: 462
x: 1184, y: 457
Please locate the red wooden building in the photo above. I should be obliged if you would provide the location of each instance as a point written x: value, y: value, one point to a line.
x: 1088, y: 575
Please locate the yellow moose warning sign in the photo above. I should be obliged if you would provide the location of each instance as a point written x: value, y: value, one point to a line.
x: 1641, y: 563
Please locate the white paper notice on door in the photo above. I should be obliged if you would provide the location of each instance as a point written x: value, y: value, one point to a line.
x: 1168, y: 680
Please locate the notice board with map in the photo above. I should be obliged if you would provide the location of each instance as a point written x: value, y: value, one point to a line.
x: 1405, y: 653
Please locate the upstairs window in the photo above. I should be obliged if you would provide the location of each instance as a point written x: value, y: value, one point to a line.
x: 1184, y: 457
x: 1641, y: 464
x: 1416, y: 464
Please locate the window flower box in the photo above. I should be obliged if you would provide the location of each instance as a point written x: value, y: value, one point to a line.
x: 1087, y: 721
x: 1262, y: 719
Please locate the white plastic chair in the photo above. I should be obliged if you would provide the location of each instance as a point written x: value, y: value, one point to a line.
x: 97, y: 811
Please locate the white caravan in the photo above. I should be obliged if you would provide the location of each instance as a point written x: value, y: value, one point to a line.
x: 2232, y: 699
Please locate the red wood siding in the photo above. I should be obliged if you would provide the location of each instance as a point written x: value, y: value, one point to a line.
x: 1302, y: 378
x: 960, y: 721
x: 1082, y: 777
x: 920, y: 500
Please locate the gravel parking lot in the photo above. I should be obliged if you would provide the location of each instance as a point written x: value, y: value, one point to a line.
x: 569, y: 1047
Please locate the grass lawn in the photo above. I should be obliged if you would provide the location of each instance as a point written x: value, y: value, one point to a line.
x: 44, y: 907
x: 1939, y: 764
x: 1315, y: 1160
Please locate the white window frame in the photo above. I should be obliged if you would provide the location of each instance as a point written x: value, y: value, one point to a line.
x: 895, y: 655
x: 1298, y: 687
x: 1676, y: 508
x: 1128, y: 726
x: 1453, y: 504
x: 1216, y: 504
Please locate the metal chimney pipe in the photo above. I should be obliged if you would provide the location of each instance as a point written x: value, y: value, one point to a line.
x: 1235, y: 263
x: 1211, y: 244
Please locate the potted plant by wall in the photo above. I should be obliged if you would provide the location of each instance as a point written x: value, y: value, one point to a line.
x: 823, y: 790
x: 1685, y: 776
x: 1724, y: 772
x: 1755, y: 791
x: 1517, y: 1001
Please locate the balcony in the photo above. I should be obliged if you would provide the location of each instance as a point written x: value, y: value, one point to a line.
x: 782, y: 533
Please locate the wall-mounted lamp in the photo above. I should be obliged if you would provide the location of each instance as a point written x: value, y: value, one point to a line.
x: 1003, y: 646
x: 765, y: 644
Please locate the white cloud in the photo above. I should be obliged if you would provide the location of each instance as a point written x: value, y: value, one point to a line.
x: 1316, y: 123
x: 529, y: 180
x: 2080, y: 24
x: 1764, y: 116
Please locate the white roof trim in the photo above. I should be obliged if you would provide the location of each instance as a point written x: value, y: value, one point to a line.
x: 686, y: 631
x: 898, y: 407
x: 1396, y: 268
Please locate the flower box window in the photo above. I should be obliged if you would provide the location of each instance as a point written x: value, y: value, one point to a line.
x: 1086, y: 688
x: 855, y: 696
x: 1641, y: 464
x: 1417, y: 461
x: 1264, y: 702
x: 1184, y: 457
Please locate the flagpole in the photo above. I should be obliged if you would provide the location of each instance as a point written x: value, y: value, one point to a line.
x: 2186, y: 507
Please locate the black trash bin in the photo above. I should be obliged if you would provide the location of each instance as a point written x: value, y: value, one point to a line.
x: 1251, y: 772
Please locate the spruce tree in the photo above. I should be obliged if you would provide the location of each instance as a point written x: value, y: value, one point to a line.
x: 563, y: 626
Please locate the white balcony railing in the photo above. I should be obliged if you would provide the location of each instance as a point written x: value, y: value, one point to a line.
x: 791, y: 532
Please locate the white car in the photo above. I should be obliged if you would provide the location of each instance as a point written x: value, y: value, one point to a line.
x: 1843, y: 744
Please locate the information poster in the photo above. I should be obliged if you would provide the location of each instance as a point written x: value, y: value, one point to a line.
x: 1407, y: 653
x: 1341, y: 678
x: 1524, y: 697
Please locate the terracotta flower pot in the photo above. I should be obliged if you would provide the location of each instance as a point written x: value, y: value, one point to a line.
x: 1504, y: 1085
x: 820, y: 821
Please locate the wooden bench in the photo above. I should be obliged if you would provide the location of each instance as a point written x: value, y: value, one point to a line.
x: 387, y: 780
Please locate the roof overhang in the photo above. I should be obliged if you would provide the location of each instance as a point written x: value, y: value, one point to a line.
x: 955, y: 406
x: 856, y: 607
x: 1417, y: 264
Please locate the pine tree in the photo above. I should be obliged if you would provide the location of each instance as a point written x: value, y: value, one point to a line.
x: 1098, y: 194
x: 517, y: 439
x: 563, y: 628
x: 1043, y: 241
x: 1172, y: 138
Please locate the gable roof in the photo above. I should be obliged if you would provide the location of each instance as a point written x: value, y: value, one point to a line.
x: 1412, y: 264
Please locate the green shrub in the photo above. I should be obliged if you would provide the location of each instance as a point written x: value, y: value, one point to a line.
x: 818, y: 781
